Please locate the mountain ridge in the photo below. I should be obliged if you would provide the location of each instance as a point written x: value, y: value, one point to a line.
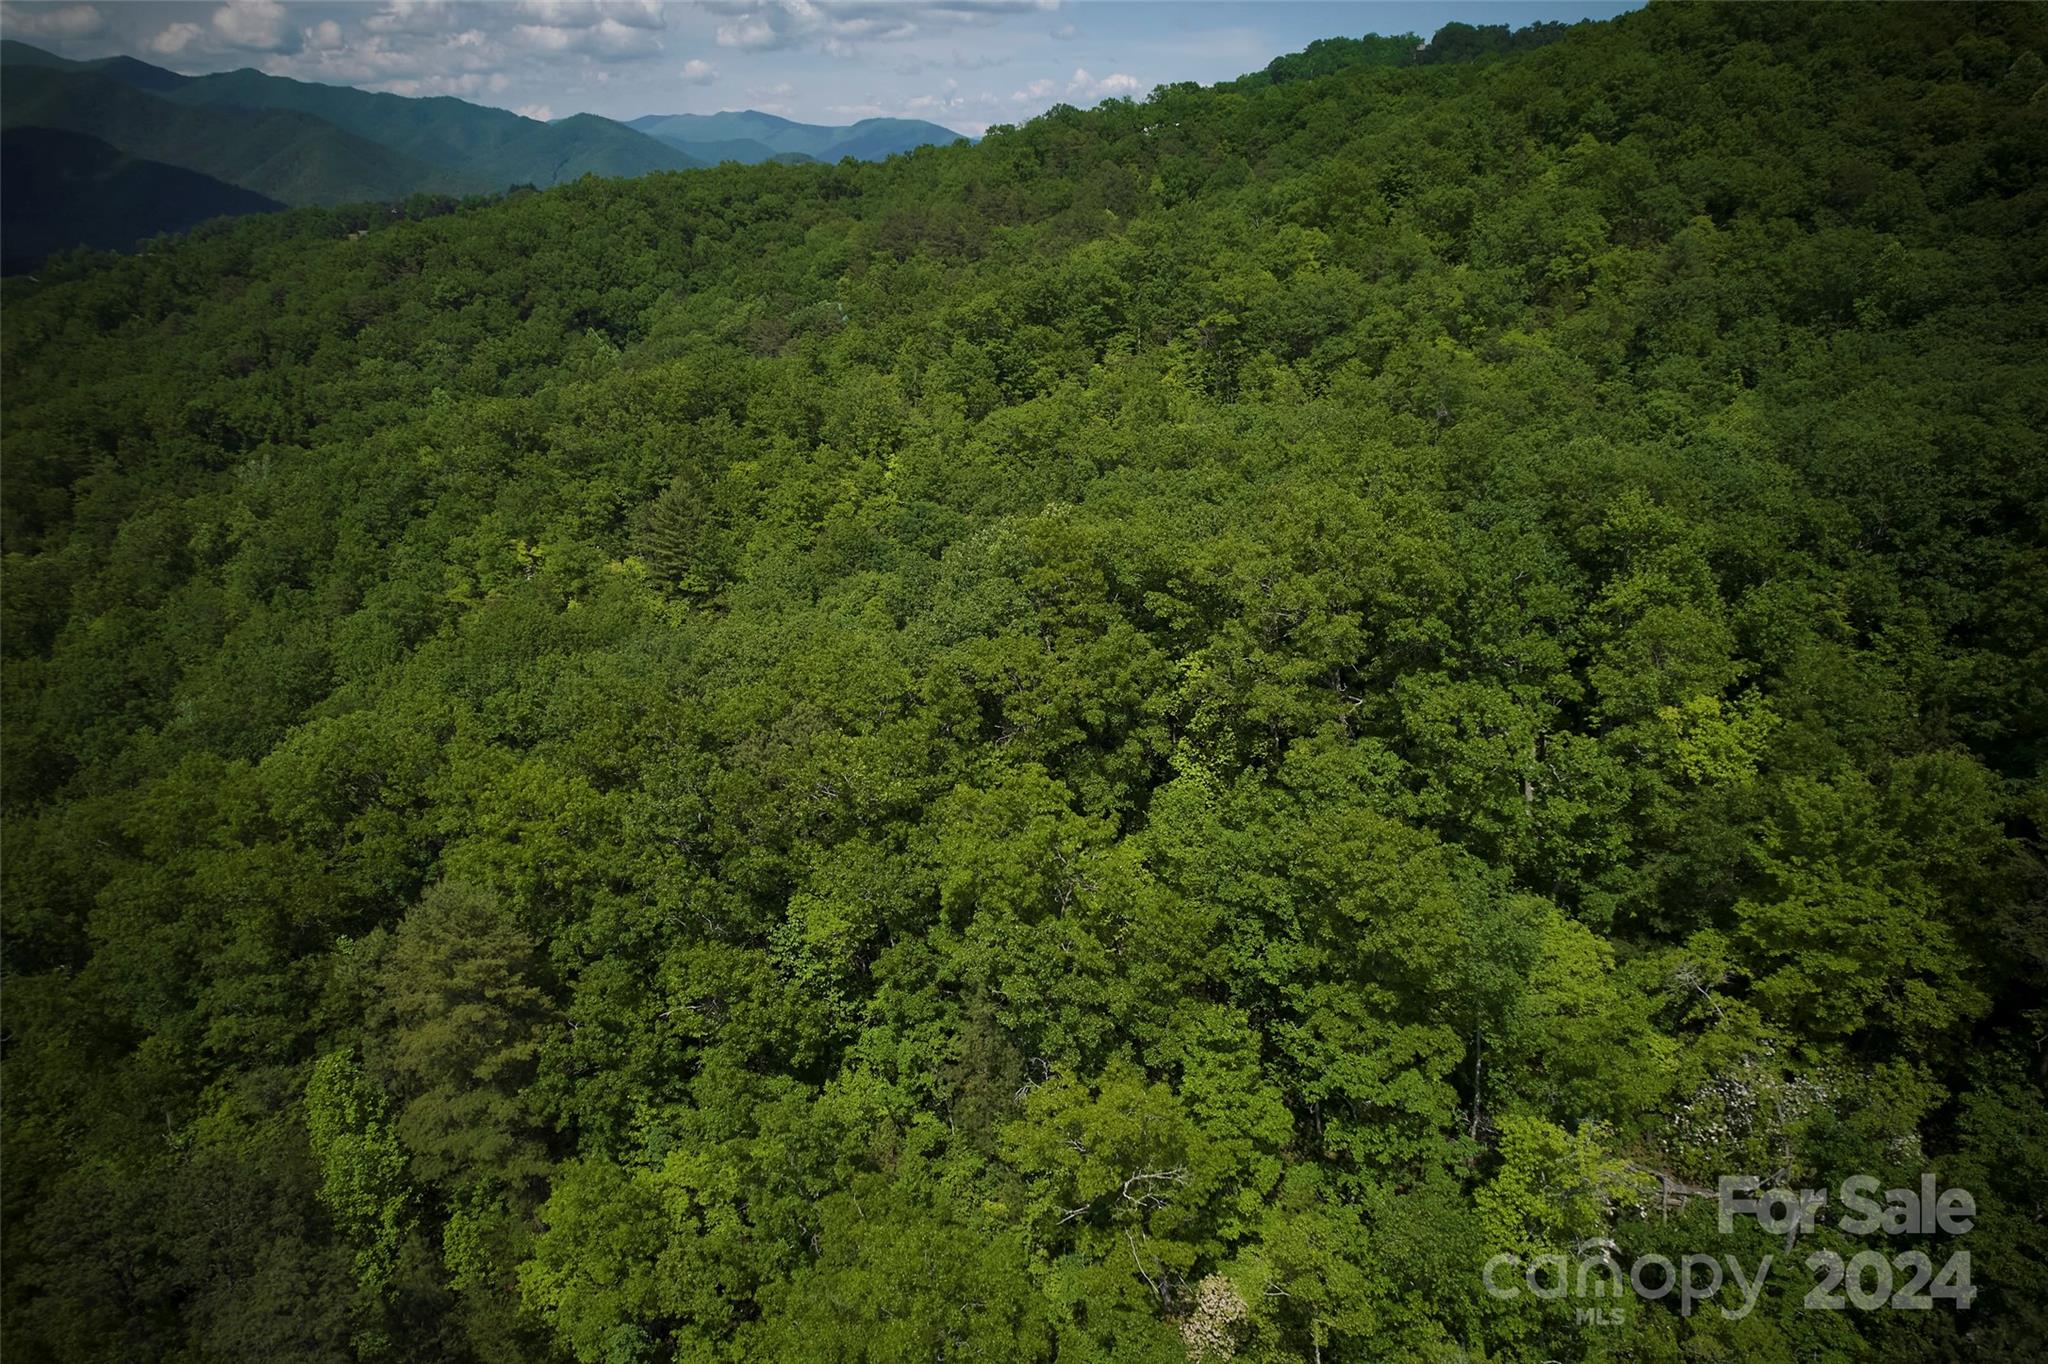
x: 750, y: 136
x: 492, y: 146
x: 468, y: 147
x: 283, y: 154
x: 115, y: 201
x: 159, y: 151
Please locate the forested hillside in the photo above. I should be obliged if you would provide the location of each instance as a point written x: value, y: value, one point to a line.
x: 1147, y: 740
x: 62, y: 190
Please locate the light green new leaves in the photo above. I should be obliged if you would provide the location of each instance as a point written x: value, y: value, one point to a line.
x: 362, y: 1165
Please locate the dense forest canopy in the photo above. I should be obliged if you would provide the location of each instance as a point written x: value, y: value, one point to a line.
x: 1148, y: 740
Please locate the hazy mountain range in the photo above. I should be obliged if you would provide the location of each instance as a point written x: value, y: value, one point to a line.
x: 753, y: 137
x: 91, y: 147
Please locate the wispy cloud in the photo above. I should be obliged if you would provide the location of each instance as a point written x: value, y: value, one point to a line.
x: 838, y: 27
x: 55, y: 22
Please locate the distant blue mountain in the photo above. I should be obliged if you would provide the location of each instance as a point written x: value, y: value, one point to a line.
x: 751, y: 136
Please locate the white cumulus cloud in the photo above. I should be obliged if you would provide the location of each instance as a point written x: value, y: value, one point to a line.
x: 751, y: 32
x: 259, y: 25
x: 697, y: 71
x: 591, y: 13
x: 174, y: 39
x: 1081, y: 88
x: 605, y: 38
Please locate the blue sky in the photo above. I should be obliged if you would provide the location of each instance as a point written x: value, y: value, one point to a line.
x: 964, y: 63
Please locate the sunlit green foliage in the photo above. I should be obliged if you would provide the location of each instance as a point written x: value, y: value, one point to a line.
x: 1156, y: 734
